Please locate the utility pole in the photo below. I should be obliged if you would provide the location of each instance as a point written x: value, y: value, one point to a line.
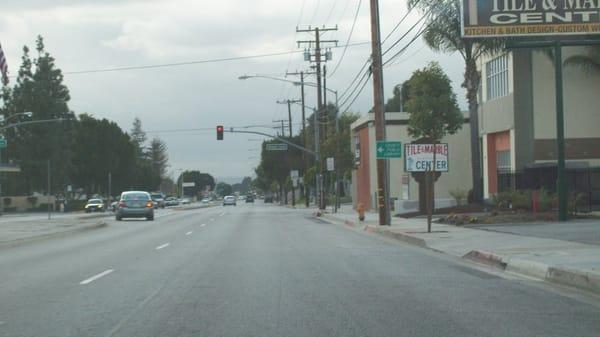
x: 109, y: 189
x: 383, y: 198
x: 49, y: 186
x: 317, y: 59
x: 289, y: 105
x: 302, y: 98
x: 282, y: 126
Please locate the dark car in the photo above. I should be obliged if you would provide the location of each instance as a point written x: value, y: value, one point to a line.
x: 135, y: 204
x: 250, y: 198
x: 268, y: 199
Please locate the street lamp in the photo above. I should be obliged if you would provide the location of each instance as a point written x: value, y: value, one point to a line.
x: 26, y: 114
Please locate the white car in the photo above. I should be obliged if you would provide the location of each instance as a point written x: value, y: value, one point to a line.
x: 229, y: 200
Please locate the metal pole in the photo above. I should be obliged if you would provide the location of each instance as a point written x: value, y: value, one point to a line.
x: 109, y: 189
x: 1, y: 201
x: 318, y: 161
x: 378, y: 108
x: 289, y: 104
x: 48, y: 197
x: 337, y: 154
x: 560, y: 134
x: 306, y: 196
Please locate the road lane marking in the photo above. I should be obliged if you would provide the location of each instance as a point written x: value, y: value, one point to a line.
x: 212, y: 219
x: 95, y: 277
x: 163, y: 246
x: 203, y: 225
x: 222, y: 214
x: 189, y: 233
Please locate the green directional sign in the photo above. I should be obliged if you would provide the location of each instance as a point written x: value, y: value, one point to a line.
x: 277, y: 147
x: 389, y: 150
x: 3, y: 143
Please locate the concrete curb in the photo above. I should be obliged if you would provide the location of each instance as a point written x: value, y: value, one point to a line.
x: 580, y: 279
x: 575, y: 278
x: 18, y: 242
x: 397, y: 235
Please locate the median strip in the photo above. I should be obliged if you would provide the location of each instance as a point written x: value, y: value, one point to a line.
x: 95, y: 277
x: 163, y: 246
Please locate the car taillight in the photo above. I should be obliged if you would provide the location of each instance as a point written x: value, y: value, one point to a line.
x: 149, y: 204
x: 122, y: 204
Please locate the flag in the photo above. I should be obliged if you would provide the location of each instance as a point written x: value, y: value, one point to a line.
x: 3, y: 67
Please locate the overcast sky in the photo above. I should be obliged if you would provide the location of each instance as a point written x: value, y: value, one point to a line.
x: 100, y: 34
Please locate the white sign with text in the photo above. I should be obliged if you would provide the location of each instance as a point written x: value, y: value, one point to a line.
x: 419, y: 157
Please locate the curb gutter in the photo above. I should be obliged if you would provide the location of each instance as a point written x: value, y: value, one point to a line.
x: 18, y: 242
x: 580, y: 279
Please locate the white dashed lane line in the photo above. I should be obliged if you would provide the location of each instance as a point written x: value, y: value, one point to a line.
x: 95, y: 277
x: 189, y: 233
x: 203, y: 225
x: 222, y: 214
x: 165, y: 245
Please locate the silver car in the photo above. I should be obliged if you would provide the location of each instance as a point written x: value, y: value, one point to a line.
x: 135, y: 204
x: 229, y: 200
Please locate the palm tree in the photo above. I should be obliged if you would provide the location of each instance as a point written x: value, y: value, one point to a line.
x: 589, y: 61
x: 443, y: 34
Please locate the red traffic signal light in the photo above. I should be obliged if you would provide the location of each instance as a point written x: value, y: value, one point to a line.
x: 220, y: 130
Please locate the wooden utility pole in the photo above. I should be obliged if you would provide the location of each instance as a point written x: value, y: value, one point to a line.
x: 378, y: 108
x: 302, y: 99
x: 317, y: 59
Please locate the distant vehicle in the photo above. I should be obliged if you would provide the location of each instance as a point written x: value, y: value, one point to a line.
x: 185, y: 201
x: 135, y: 204
x: 171, y: 201
x: 158, y: 199
x: 114, y: 205
x: 205, y: 200
x: 268, y: 199
x: 241, y: 197
x: 229, y: 200
x: 94, y: 205
x: 249, y: 199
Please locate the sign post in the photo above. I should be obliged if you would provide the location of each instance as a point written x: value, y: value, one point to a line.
x: 527, y: 18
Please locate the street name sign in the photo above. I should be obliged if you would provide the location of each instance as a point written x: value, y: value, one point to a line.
x: 277, y: 147
x: 419, y: 157
x: 387, y: 149
x: 504, y: 18
x: 3, y: 143
x: 190, y: 184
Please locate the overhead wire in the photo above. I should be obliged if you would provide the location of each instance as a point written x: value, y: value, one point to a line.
x: 186, y: 63
x: 348, y: 40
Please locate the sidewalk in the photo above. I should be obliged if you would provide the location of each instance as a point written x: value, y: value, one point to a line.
x: 564, y: 262
x: 21, y: 229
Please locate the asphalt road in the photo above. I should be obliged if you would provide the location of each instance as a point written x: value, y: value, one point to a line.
x: 582, y: 231
x: 256, y: 270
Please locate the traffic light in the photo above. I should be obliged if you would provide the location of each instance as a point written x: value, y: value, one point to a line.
x: 219, y: 132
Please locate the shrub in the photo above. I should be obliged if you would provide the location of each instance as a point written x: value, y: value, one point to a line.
x: 7, y: 201
x: 458, y: 195
x: 32, y: 200
x: 574, y: 200
x: 545, y: 200
x: 520, y: 200
x: 501, y: 200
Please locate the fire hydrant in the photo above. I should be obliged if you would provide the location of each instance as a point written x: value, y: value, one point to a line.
x: 360, y: 208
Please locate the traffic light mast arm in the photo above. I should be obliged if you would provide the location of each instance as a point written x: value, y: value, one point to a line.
x: 231, y: 130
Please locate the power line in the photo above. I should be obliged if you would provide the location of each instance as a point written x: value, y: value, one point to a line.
x: 347, y: 41
x: 404, y: 35
x: 421, y: 31
x: 355, y: 78
x: 315, y: 12
x: 400, y: 22
x: 179, y: 64
x: 331, y: 11
x: 364, y: 78
x: 357, y: 94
